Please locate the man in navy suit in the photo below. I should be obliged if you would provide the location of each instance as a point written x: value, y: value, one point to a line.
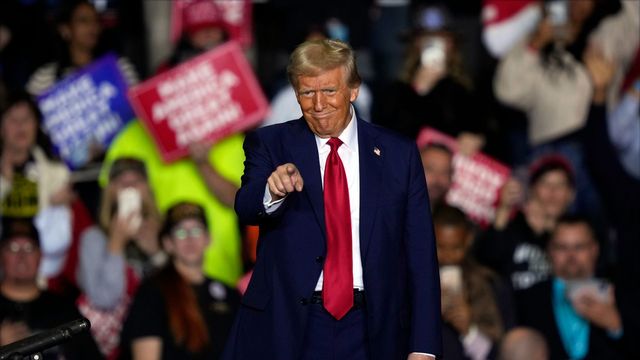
x: 346, y: 265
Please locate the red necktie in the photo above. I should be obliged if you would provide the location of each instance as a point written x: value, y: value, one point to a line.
x: 337, y: 287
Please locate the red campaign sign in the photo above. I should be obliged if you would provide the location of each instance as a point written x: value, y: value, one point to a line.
x: 205, y: 99
x: 477, y: 180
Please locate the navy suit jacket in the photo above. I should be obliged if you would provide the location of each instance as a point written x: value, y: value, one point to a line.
x: 400, y: 269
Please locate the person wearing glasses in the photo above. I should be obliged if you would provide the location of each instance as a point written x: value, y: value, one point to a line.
x: 575, y: 310
x: 179, y: 312
x: 26, y: 309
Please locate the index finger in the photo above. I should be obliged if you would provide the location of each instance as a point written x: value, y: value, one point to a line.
x: 298, y: 182
x: 291, y: 169
x: 295, y: 177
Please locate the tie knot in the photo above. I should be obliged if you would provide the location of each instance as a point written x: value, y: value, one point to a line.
x: 334, y: 143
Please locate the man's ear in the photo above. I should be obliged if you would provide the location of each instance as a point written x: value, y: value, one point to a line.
x: 353, y: 93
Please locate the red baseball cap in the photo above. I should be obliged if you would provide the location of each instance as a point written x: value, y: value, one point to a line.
x: 202, y: 14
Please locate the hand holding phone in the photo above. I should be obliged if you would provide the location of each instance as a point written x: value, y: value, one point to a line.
x: 594, y: 300
x: 451, y: 279
x: 558, y: 15
x: 596, y: 288
x: 434, y: 54
x: 558, y: 12
x: 130, y: 207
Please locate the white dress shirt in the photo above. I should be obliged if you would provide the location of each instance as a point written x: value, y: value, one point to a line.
x: 348, y: 153
x: 349, y: 156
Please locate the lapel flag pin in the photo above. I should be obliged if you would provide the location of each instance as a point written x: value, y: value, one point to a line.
x: 376, y: 151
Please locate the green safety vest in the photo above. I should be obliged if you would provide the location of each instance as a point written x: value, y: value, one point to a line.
x: 181, y: 181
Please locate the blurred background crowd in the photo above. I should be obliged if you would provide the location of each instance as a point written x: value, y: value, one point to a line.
x: 549, y: 88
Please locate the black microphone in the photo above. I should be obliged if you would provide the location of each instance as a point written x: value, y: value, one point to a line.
x: 44, y: 340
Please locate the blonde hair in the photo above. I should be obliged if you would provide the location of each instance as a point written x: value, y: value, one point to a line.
x: 312, y: 58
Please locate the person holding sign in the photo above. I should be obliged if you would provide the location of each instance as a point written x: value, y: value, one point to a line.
x: 78, y: 23
x: 210, y: 175
x: 514, y: 247
x: 79, y: 27
x: 203, y: 29
x: 346, y: 265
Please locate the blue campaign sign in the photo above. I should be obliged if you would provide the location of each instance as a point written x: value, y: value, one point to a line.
x: 86, y: 109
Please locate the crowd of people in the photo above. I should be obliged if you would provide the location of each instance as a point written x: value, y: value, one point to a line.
x: 153, y: 253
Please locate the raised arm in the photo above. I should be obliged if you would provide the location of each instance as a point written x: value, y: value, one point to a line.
x: 264, y: 183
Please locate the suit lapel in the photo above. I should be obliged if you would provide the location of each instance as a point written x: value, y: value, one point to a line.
x: 304, y: 153
x: 371, y: 157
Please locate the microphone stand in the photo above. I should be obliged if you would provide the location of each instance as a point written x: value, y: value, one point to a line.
x: 31, y: 347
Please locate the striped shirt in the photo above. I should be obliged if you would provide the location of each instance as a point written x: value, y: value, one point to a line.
x: 45, y: 76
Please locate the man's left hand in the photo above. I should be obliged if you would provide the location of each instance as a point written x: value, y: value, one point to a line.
x: 603, y: 314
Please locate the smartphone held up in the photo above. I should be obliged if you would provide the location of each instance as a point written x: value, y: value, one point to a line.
x: 557, y: 11
x: 451, y: 279
x: 434, y: 54
x: 598, y: 289
x: 130, y: 206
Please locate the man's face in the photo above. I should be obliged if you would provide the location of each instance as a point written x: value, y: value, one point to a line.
x: 325, y: 101
x: 439, y: 173
x: 573, y: 252
x: 554, y: 192
x: 20, y: 260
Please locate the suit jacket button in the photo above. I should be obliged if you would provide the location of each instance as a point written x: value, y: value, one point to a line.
x: 319, y: 259
x: 304, y: 301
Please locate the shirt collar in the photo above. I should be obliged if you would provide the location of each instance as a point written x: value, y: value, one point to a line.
x: 349, y: 135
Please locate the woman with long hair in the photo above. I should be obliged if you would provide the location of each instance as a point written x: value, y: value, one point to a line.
x: 121, y: 250
x: 433, y: 89
x: 32, y: 182
x: 544, y: 76
x: 180, y: 313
